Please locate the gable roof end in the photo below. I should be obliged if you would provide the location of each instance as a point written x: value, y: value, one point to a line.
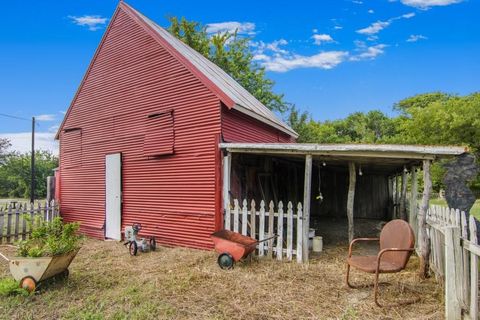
x: 230, y: 89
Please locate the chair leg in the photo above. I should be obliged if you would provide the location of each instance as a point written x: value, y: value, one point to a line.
x: 347, y: 277
x: 375, y: 289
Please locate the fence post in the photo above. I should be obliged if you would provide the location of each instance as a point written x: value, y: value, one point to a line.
x: 473, y: 271
x: 244, y: 217
x: 271, y: 214
x: 280, y: 231
x: 9, y: 222
x: 261, y: 230
x: 289, y: 231
x: 452, y: 306
x: 236, y: 207
x: 299, y: 232
x: 2, y: 222
x: 253, y: 217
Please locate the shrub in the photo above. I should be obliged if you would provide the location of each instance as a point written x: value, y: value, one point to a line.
x: 10, y: 287
x: 49, y: 238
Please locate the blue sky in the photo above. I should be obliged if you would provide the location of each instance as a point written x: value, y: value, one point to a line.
x: 330, y: 57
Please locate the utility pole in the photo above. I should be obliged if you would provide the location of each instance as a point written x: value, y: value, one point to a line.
x: 32, y: 168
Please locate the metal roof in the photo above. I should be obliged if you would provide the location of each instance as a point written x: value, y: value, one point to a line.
x: 244, y: 101
x: 349, y: 150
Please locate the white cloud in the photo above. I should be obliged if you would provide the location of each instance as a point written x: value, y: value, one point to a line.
x: 320, y: 38
x: 416, y: 37
x: 93, y: 22
x: 323, y: 60
x: 45, y: 117
x: 374, y: 28
x: 371, y: 11
x: 231, y: 26
x: 368, y: 53
x: 378, y: 26
x: 338, y: 27
x: 425, y: 4
x: 22, y: 141
x: 315, y: 30
x: 357, y: 1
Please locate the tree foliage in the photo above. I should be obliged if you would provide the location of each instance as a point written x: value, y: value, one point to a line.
x: 231, y: 53
x: 4, y: 145
x: 15, y: 174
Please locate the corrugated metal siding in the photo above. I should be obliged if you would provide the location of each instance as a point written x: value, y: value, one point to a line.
x: 173, y: 196
x: 237, y: 127
x: 159, y: 136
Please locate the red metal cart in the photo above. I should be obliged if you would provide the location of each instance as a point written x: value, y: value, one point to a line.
x: 233, y: 246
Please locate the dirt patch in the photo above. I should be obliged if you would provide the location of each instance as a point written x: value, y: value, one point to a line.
x: 177, y: 283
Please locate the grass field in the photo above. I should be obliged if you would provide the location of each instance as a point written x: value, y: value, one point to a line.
x: 177, y: 283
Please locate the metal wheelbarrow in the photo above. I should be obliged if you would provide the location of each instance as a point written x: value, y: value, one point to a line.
x: 233, y: 246
x: 30, y: 271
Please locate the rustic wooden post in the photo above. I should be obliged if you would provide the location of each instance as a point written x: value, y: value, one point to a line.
x: 9, y: 222
x: 452, y: 306
x: 244, y: 217
x: 423, y: 240
x: 473, y: 271
x: 413, y: 201
x: 403, y: 196
x: 2, y: 222
x: 300, y: 244
x: 307, y: 191
x: 236, y: 208
x: 227, y: 163
x: 351, y: 199
x: 253, y: 217
x: 261, y: 228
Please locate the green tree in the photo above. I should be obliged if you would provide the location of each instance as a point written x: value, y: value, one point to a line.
x: 232, y: 53
x: 4, y: 145
x: 15, y: 174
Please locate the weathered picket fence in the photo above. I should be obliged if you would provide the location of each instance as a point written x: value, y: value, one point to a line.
x: 265, y: 222
x: 13, y: 226
x: 454, y: 259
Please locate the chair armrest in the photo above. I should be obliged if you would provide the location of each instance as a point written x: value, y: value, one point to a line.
x: 358, y: 240
x: 380, y: 254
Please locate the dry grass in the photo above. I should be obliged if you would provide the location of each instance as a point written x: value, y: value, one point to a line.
x: 176, y: 283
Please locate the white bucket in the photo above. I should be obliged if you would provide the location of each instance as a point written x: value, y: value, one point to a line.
x: 317, y: 244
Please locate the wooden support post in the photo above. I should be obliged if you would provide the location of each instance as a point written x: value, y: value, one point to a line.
x: 473, y: 271
x: 403, y: 196
x: 307, y: 191
x: 351, y: 198
x: 452, y: 306
x: 413, y: 201
x: 423, y: 239
x: 227, y: 163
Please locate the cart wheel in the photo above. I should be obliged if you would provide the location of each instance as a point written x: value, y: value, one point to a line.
x: 28, y: 283
x: 65, y: 273
x: 225, y: 261
x: 133, y: 248
x: 153, y: 244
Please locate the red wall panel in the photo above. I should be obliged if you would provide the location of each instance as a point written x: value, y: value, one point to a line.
x: 173, y: 196
x: 238, y: 127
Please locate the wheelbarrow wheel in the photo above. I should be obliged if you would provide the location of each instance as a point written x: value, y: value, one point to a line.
x: 153, y: 244
x: 65, y: 274
x: 28, y: 283
x: 225, y: 261
x: 133, y: 248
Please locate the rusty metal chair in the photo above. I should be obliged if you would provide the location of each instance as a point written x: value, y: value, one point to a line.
x: 397, y: 243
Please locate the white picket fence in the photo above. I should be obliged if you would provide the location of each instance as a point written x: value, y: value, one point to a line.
x: 454, y: 259
x: 286, y: 223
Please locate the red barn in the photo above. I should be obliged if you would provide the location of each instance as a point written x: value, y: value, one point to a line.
x: 140, y: 140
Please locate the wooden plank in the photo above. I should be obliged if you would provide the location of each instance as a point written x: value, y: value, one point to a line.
x: 473, y: 271
x: 413, y: 200
x: 236, y: 209
x: 424, y: 242
x: 228, y: 215
x: 2, y: 223
x: 307, y: 192
x: 458, y: 259
x: 244, y: 217
x: 270, y: 228
x: 403, y: 196
x: 18, y: 211
x: 280, y: 231
x: 227, y: 163
x: 299, y: 249
x: 9, y: 222
x: 261, y: 229
x: 351, y: 199
x: 253, y: 218
x: 289, y: 231
x: 452, y: 307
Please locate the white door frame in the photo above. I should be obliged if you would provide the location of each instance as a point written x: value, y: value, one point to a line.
x: 113, y: 196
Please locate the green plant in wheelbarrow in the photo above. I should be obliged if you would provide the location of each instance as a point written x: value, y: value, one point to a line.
x: 48, y: 252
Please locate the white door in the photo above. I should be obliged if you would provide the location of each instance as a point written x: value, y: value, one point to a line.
x: 113, y: 195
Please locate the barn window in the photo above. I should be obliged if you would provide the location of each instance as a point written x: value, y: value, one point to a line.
x: 72, y: 148
x: 159, y: 134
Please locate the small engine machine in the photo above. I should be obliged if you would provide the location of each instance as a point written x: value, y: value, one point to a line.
x: 134, y: 243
